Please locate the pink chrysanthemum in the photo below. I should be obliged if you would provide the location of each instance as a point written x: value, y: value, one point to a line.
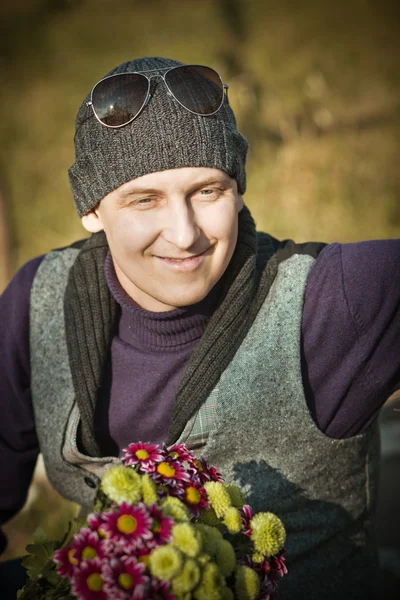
x: 247, y: 514
x: 169, y: 473
x: 96, y: 521
x: 275, y: 565
x: 268, y: 588
x: 161, y: 526
x: 86, y: 545
x: 205, y: 472
x: 177, y: 490
x: 66, y: 561
x: 142, y: 454
x: 160, y: 590
x: 264, y: 595
x: 88, y: 581
x: 279, y: 563
x: 178, y: 453
x: 195, y: 498
x: 125, y: 580
x: 129, y: 525
x: 142, y: 553
x: 246, y: 560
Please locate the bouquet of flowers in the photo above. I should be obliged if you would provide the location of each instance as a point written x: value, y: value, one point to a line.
x: 164, y: 526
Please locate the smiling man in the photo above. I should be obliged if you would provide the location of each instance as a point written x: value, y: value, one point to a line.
x: 171, y: 235
x: 176, y: 321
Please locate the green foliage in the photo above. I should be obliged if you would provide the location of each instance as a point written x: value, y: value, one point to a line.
x: 40, y: 536
x: 41, y: 589
x: 102, y: 502
x: 44, y: 581
x: 38, y: 558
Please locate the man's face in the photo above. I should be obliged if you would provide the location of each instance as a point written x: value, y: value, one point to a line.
x: 171, y: 234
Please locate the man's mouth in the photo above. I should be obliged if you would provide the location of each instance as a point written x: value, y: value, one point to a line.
x: 186, y: 263
x: 182, y: 258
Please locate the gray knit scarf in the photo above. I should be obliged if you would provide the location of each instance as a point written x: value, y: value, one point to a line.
x: 91, y: 315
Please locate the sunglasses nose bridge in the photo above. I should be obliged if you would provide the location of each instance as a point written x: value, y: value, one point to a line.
x: 161, y: 79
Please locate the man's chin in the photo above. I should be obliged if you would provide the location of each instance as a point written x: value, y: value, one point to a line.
x: 183, y: 299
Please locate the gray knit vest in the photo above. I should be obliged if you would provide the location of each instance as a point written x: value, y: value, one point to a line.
x: 264, y: 437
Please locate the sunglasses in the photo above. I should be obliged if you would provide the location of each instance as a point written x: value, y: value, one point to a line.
x: 118, y: 99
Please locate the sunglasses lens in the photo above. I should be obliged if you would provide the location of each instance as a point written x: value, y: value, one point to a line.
x: 119, y: 98
x: 199, y: 89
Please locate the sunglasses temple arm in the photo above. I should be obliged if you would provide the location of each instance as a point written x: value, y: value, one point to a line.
x: 226, y: 88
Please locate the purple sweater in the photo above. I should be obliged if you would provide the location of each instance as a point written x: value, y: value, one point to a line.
x: 349, y: 346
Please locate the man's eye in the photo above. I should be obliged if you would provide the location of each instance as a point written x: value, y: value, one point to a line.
x: 207, y: 192
x: 141, y: 203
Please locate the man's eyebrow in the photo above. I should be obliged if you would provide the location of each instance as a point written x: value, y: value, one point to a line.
x: 133, y: 191
x: 210, y: 181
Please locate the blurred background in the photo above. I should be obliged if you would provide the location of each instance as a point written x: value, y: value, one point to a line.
x: 315, y: 87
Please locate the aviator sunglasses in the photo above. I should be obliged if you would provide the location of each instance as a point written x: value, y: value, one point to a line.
x: 118, y: 99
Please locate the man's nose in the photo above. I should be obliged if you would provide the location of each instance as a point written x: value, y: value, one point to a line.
x: 181, y: 228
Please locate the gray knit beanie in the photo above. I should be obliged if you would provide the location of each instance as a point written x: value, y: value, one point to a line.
x: 164, y: 136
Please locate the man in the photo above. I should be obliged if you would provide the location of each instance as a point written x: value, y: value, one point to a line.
x: 177, y: 321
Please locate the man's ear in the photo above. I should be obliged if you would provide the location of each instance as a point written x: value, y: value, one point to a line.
x: 92, y: 222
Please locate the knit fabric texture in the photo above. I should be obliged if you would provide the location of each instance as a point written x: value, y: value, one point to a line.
x: 164, y: 136
x: 90, y: 316
x: 264, y: 439
x: 46, y: 320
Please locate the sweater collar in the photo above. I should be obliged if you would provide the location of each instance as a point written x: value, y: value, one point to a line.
x: 159, y: 331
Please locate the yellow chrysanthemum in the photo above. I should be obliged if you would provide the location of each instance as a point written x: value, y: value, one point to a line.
x: 257, y: 557
x: 227, y: 594
x: 210, y: 536
x: 149, y: 489
x: 218, y: 497
x: 203, y: 558
x: 267, y: 533
x: 187, y: 579
x: 247, y: 583
x: 187, y: 539
x: 122, y: 484
x: 225, y: 558
x: 233, y: 520
x: 183, y: 596
x: 211, y: 584
x: 235, y: 494
x: 209, y: 517
x: 173, y: 507
x: 165, y: 562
